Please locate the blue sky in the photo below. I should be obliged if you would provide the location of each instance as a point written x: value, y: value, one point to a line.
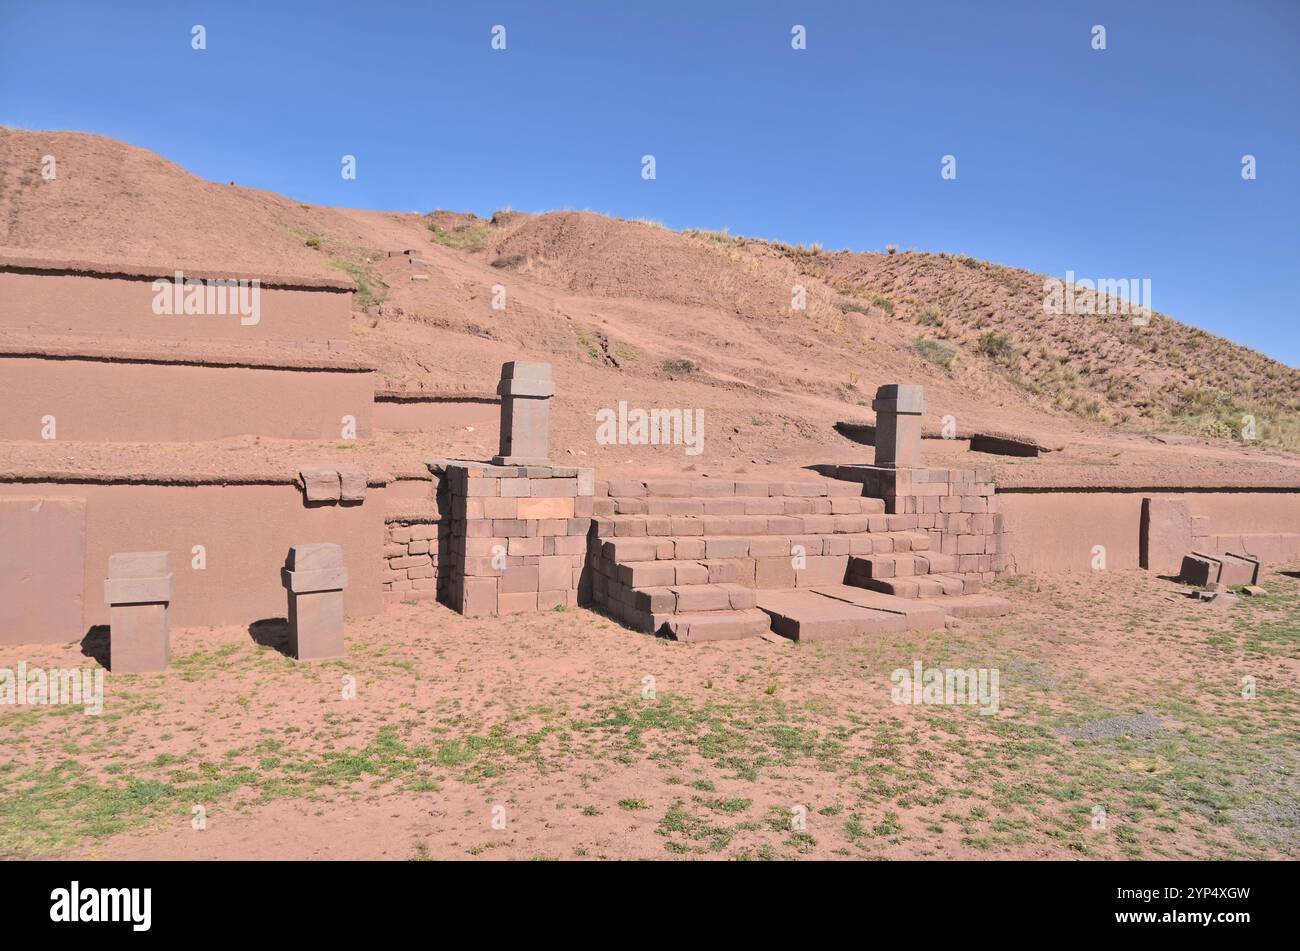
x: 1118, y: 163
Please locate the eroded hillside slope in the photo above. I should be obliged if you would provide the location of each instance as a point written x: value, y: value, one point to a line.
x: 629, y: 310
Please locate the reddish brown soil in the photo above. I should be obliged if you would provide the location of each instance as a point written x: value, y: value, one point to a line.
x: 544, y: 715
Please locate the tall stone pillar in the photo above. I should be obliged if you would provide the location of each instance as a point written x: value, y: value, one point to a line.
x: 898, y: 409
x: 526, y: 390
x: 315, y: 578
x: 138, y: 590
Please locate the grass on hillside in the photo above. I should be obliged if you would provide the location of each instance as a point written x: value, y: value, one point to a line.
x: 935, y: 352
x: 356, y: 261
x: 467, y: 236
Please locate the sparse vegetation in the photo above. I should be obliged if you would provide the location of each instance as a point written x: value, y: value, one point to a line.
x: 679, y: 367
x: 371, y: 288
x: 999, y: 347
x: 935, y: 352
x: 930, y: 317
x: 469, y: 235
x: 723, y: 237
x: 1210, y: 411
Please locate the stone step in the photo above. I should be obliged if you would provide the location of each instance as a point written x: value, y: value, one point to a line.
x: 695, y: 598
x: 720, y: 488
x: 900, y: 565
x: 697, y: 547
x: 807, y: 614
x: 645, y: 574
x: 972, y: 605
x: 921, y: 586
x: 718, y: 625
x: 741, y: 505
x: 640, y: 526
x: 920, y: 615
x: 728, y: 607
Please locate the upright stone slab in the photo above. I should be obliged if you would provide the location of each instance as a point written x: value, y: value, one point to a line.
x: 1165, y: 535
x: 138, y: 590
x: 526, y: 390
x: 898, y: 409
x: 315, y: 578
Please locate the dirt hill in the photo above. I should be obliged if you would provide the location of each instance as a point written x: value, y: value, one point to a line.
x: 631, y: 310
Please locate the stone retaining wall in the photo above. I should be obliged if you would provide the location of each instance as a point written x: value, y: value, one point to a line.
x: 410, y: 559
x: 958, y: 508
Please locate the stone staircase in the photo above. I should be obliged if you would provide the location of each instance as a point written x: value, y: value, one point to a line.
x: 711, y: 559
x: 915, y: 574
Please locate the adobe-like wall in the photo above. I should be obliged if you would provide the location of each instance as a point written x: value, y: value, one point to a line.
x: 46, y: 297
x: 1056, y: 530
x: 397, y: 412
x: 134, y: 399
x: 245, y: 531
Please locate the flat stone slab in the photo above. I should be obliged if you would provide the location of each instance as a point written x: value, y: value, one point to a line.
x: 920, y: 615
x: 995, y: 442
x: 694, y: 626
x: 971, y: 605
x: 805, y: 615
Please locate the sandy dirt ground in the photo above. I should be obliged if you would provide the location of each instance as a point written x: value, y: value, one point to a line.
x: 1121, y: 730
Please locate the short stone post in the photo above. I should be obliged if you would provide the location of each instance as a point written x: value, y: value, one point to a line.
x: 138, y: 590
x: 315, y: 578
x: 898, y: 409
x: 525, y: 390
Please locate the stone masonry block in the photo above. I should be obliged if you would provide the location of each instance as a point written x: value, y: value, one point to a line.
x: 555, y: 488
x: 554, y: 571
x: 479, y: 598
x: 313, y: 556
x: 517, y: 602
x: 495, y: 507
x: 518, y: 579
x: 545, y: 508
x: 321, y: 483
x: 352, y: 483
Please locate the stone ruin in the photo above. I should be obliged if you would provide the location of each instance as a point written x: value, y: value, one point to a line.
x: 855, y: 549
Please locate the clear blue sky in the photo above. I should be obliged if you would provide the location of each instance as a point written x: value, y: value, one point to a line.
x: 1117, y: 163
